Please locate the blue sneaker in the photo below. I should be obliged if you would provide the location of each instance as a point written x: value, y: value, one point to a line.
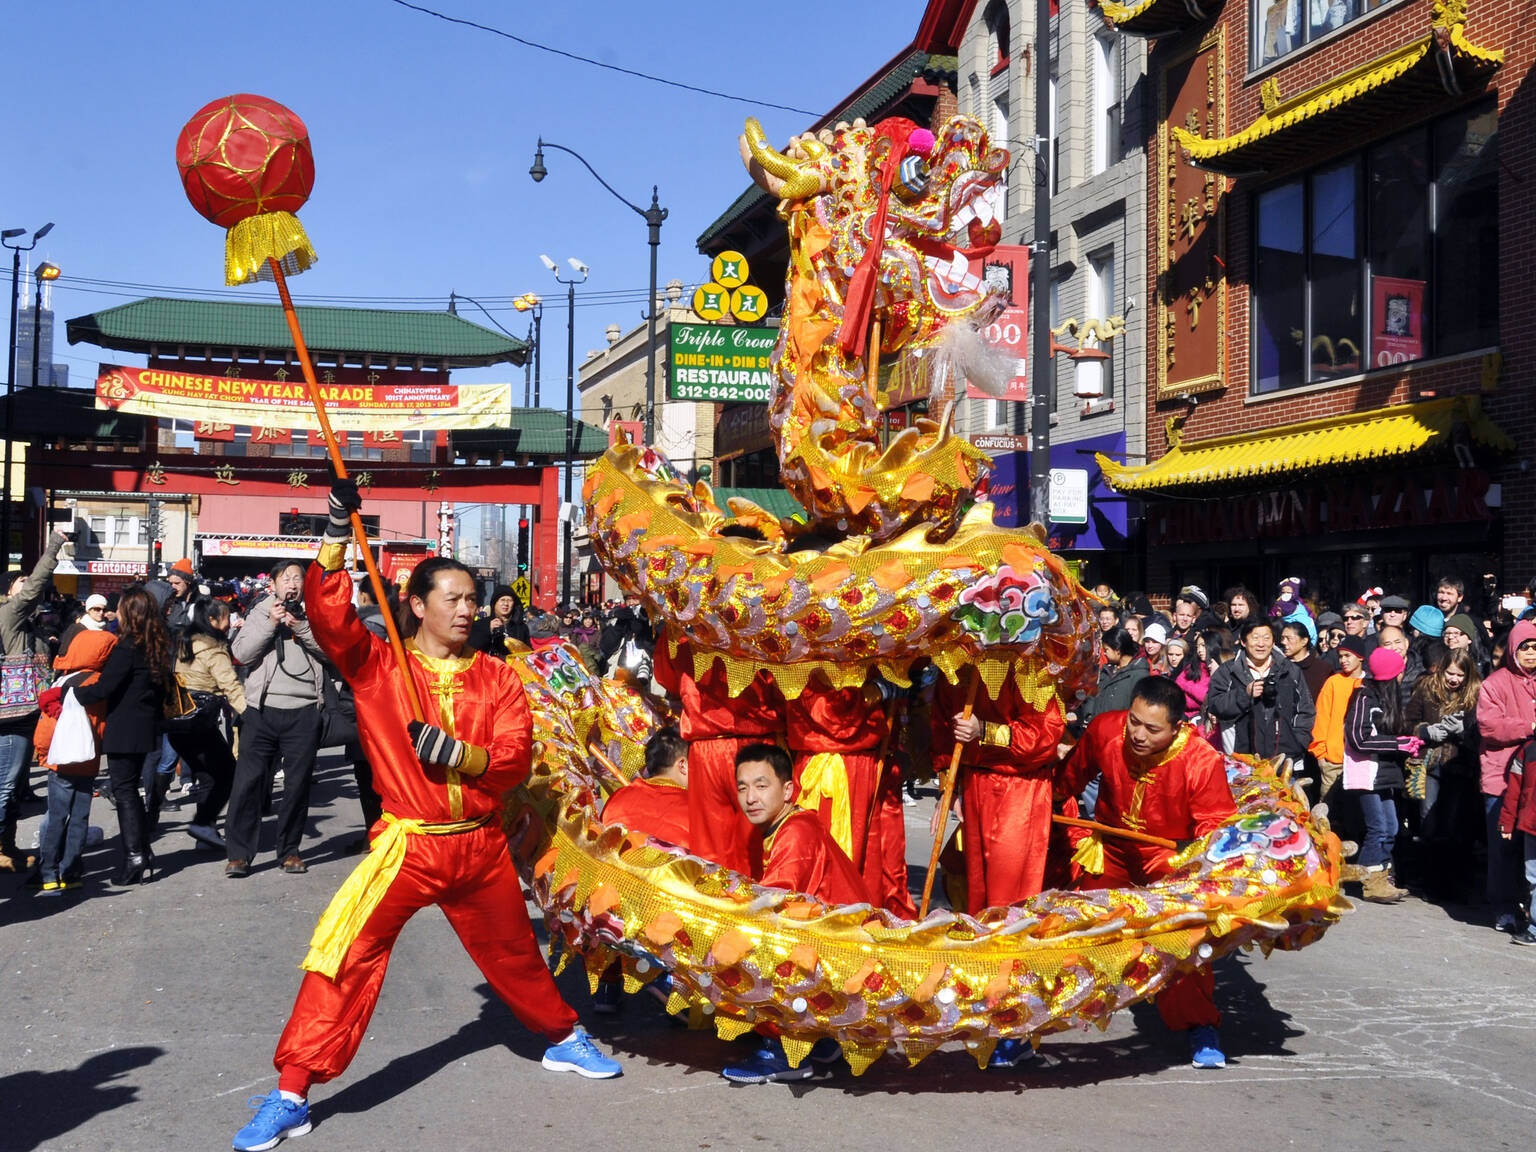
x: 768, y: 1065
x: 608, y: 999
x: 1205, y: 1048
x: 581, y: 1056
x: 1011, y: 1053
x: 275, y: 1120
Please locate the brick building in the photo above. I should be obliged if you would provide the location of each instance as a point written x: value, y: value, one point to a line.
x: 1340, y: 348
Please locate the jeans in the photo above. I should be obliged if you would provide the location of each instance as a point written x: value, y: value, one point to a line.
x: 69, y: 818
x: 1380, y: 815
x: 15, y: 755
x: 1503, y: 859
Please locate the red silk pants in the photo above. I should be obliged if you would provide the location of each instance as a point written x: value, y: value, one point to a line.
x: 718, y: 829
x: 471, y: 877
x: 1007, y: 829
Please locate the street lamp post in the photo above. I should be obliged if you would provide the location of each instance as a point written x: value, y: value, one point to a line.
x: 44, y: 272
x: 530, y: 302
x: 10, y: 376
x: 653, y: 216
x: 570, y: 409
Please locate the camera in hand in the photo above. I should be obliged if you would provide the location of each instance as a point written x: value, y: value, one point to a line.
x: 294, y: 606
x: 1271, y: 687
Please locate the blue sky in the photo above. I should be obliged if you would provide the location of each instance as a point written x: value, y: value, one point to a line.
x: 423, y: 133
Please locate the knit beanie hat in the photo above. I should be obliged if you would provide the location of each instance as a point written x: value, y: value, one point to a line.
x: 1467, y: 625
x: 1427, y: 619
x: 1385, y: 664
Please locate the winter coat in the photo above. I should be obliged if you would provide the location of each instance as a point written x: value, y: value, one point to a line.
x: 79, y: 665
x: 1366, y: 741
x: 1259, y: 728
x: 1315, y: 671
x: 1328, y: 726
x: 1518, y: 813
x: 1455, y: 756
x: 1506, y: 712
x: 212, y: 670
x: 1115, y: 688
x: 135, y: 703
x: 286, y: 668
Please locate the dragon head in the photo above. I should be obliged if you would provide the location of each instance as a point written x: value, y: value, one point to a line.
x: 931, y: 196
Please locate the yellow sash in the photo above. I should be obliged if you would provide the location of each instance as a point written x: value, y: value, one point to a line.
x: 347, y: 913
x: 825, y: 776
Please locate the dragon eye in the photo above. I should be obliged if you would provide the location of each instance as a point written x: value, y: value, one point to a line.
x: 912, y: 178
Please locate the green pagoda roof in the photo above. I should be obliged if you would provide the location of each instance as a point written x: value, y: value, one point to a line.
x: 534, y: 432
x: 165, y: 323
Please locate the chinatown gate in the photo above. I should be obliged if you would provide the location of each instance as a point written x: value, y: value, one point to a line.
x: 248, y: 494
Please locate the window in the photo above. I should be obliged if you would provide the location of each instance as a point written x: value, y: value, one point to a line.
x: 998, y: 41
x: 1001, y: 134
x: 1386, y: 257
x: 101, y: 531
x: 1106, y: 102
x: 1093, y: 378
x: 1282, y: 26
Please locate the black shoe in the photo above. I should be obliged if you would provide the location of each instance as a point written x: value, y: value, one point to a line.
x: 1526, y: 937
x: 135, y: 870
x: 205, y: 835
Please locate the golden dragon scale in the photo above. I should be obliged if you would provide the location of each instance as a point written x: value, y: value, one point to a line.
x: 742, y: 956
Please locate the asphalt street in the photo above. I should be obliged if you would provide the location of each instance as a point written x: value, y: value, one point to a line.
x: 143, y: 1019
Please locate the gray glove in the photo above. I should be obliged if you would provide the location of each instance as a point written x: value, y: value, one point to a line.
x: 1455, y: 723
x: 1437, y: 733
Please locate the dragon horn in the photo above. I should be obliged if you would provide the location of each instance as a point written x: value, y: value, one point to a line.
x: 773, y: 170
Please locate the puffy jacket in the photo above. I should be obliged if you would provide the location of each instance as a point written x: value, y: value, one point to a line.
x: 78, y: 665
x: 1506, y: 712
x: 1328, y: 728
x: 212, y: 670
x: 1518, y: 813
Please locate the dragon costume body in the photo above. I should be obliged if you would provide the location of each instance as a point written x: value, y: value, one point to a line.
x: 897, y: 563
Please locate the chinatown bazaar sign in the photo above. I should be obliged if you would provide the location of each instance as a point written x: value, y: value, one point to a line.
x: 286, y: 404
x: 1191, y: 319
x: 1381, y: 502
x: 716, y: 363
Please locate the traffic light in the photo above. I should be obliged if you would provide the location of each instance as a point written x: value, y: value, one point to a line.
x: 524, y: 549
x: 159, y: 558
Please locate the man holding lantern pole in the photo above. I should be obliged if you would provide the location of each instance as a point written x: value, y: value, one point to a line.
x: 440, y: 840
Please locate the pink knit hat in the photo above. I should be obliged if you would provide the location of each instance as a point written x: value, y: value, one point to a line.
x: 1386, y: 664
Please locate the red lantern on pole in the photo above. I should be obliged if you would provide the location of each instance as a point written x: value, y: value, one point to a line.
x: 246, y: 166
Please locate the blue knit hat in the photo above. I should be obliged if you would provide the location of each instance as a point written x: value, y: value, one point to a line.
x: 1427, y: 619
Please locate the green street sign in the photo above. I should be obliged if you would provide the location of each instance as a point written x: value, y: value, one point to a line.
x: 722, y: 364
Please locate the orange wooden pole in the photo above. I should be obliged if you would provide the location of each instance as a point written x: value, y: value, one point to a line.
x: 359, y: 533
x: 946, y: 799
x: 1123, y: 833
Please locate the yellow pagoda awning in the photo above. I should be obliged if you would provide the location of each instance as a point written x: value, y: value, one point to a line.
x: 1381, y: 435
x: 1154, y: 18
x: 1354, y: 106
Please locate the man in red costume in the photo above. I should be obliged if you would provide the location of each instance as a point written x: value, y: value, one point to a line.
x: 440, y: 840
x: 716, y: 726
x: 798, y: 855
x: 656, y: 803
x: 838, y: 737
x: 1161, y: 778
x: 1008, y: 759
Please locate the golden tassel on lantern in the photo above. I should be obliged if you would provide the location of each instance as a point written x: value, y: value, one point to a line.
x: 275, y: 235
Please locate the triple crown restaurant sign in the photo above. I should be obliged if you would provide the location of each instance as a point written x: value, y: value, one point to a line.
x: 725, y: 365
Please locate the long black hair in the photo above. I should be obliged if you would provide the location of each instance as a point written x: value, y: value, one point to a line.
x: 423, y: 577
x: 200, y: 623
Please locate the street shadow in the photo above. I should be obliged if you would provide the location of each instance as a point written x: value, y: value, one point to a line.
x: 1251, y: 1026
x: 494, y: 1027
x: 37, y: 1108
